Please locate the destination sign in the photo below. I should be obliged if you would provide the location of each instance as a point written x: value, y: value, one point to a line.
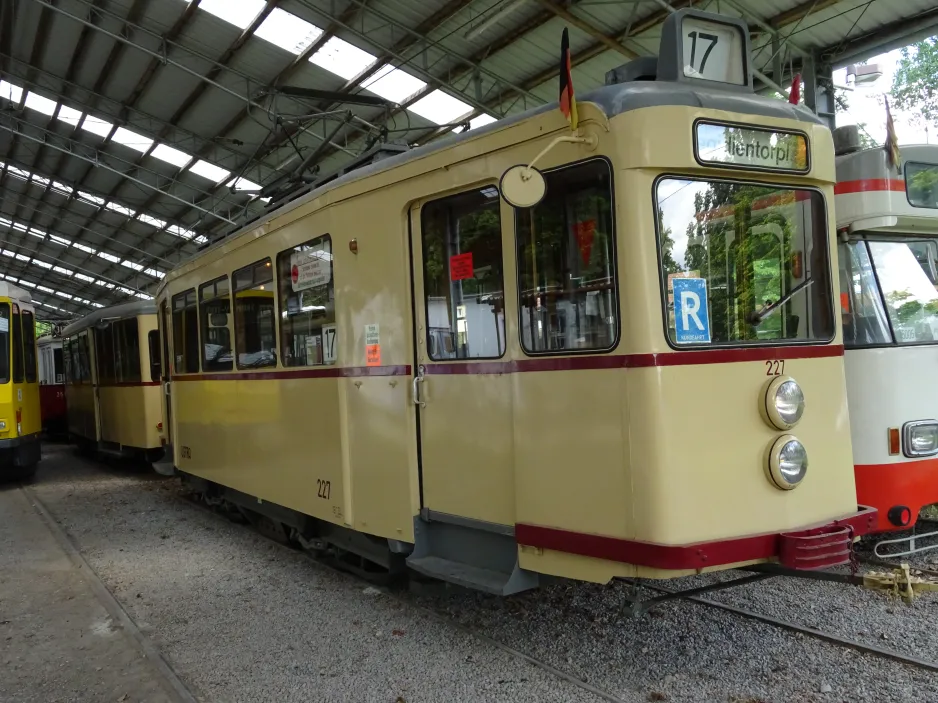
x: 747, y: 147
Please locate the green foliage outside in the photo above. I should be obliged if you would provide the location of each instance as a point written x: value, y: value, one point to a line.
x: 915, y: 84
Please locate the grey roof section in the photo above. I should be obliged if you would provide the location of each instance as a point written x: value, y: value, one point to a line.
x: 105, y: 60
x: 111, y: 314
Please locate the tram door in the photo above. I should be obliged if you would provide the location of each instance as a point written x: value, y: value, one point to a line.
x: 463, y: 396
x: 165, y: 324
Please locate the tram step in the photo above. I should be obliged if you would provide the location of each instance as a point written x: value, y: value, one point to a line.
x: 487, y: 580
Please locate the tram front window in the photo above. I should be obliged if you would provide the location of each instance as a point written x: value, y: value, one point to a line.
x: 906, y: 271
x: 743, y: 263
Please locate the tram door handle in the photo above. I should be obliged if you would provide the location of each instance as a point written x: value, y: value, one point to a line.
x: 418, y: 379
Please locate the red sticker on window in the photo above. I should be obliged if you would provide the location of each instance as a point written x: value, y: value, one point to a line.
x: 584, y: 238
x: 460, y: 266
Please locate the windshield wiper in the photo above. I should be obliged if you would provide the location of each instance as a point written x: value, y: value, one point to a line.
x: 759, y: 315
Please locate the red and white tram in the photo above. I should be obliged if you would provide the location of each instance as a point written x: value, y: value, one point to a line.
x: 887, y: 221
x: 52, y: 386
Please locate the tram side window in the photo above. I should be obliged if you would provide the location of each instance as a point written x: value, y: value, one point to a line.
x: 4, y: 342
x: 921, y: 184
x: 861, y: 307
x: 307, y: 304
x: 567, y: 263
x: 463, y: 276
x: 906, y: 272
x: 255, y: 323
x: 185, y: 333
x: 153, y: 348
x: 58, y: 364
x: 84, y: 358
x: 68, y: 357
x: 29, y: 346
x: 127, y: 350
x: 214, y: 312
x: 104, y: 355
x: 18, y: 366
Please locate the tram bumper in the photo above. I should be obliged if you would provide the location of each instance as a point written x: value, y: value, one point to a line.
x: 813, y: 547
x: 18, y: 452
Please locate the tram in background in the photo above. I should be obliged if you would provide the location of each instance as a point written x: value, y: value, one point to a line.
x: 887, y: 222
x: 487, y: 372
x: 52, y: 386
x: 112, y: 370
x: 20, y: 423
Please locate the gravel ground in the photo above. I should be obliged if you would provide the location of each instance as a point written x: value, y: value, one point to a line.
x: 243, y: 619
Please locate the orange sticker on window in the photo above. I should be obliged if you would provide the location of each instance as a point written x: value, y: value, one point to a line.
x: 373, y: 355
x: 845, y: 302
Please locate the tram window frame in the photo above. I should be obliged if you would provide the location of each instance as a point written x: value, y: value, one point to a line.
x: 240, y: 284
x: 105, y: 355
x: 905, y: 179
x: 6, y: 365
x: 314, y: 326
x: 827, y: 301
x: 185, y: 354
x: 215, y: 296
x: 613, y: 263
x: 19, y: 368
x: 127, y: 350
x: 153, y: 349
x: 488, y: 197
x: 83, y: 348
x: 30, y: 359
x: 58, y: 365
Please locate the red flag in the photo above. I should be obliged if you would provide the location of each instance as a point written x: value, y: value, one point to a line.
x: 794, y: 95
x: 567, y: 98
x: 892, y: 141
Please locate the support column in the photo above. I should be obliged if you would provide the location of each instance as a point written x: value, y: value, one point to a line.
x: 819, y: 89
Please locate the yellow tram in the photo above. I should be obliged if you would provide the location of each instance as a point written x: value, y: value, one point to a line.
x: 112, y: 367
x: 626, y: 372
x: 20, y: 421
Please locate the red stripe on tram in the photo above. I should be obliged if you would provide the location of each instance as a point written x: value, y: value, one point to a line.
x: 329, y: 372
x: 870, y: 185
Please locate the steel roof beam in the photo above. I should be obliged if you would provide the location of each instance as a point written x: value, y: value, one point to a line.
x: 883, y: 39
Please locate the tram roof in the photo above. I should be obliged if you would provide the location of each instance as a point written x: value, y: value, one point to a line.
x: 8, y: 290
x: 111, y: 314
x: 118, y: 155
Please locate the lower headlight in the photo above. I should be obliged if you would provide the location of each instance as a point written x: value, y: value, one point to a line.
x: 920, y: 438
x: 788, y: 462
x: 3, y: 425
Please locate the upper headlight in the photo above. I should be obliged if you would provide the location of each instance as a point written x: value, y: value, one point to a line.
x: 788, y: 462
x: 784, y: 402
x: 920, y: 438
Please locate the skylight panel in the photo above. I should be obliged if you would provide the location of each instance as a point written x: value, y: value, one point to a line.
x: 60, y: 240
x: 156, y: 273
x: 180, y: 231
x: 288, y: 31
x: 63, y: 271
x: 11, y: 92
x: 143, y: 217
x: 83, y: 277
x: 109, y: 257
x: 210, y: 171
x: 20, y: 226
x: 131, y: 265
x: 243, y: 184
x: 40, y: 180
x: 96, y: 125
x: 69, y: 115
x: 84, y: 247
x: 117, y: 207
x: 128, y: 291
x: 44, y: 289
x: 42, y: 264
x: 440, y: 107
x: 143, y: 296
x: 18, y: 173
x: 62, y: 294
x: 62, y: 188
x: 94, y: 199
x: 7, y: 252
x: 201, y: 240
x: 481, y: 121
x: 37, y: 233
x: 103, y: 284
x: 22, y: 257
x: 131, y: 139
x: 27, y: 284
x: 240, y: 13
x: 41, y: 104
x: 5, y: 222
x: 393, y: 84
x: 342, y: 58
x: 170, y: 155
x: 97, y: 305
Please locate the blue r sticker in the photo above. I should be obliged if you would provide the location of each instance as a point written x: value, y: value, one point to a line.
x: 691, y: 316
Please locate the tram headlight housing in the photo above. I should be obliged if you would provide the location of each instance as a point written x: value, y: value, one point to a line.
x: 788, y: 462
x: 783, y: 402
x: 920, y: 438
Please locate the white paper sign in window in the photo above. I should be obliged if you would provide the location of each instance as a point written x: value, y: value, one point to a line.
x: 310, y: 269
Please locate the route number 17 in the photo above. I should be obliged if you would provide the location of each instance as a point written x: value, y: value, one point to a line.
x: 704, y: 37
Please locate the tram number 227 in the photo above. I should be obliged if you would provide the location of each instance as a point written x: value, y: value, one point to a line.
x: 323, y: 488
x: 775, y: 367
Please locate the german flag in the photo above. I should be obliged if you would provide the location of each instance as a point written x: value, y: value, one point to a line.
x: 567, y: 98
x: 892, y: 141
x: 794, y: 95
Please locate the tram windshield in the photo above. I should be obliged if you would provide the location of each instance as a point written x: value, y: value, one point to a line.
x: 743, y: 263
x: 888, y: 291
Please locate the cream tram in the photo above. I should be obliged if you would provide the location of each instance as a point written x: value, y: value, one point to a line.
x: 20, y: 423
x: 112, y: 363
x: 887, y: 221
x: 635, y: 369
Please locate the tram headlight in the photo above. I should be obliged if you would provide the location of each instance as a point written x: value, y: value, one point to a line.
x: 788, y: 462
x: 3, y: 425
x: 920, y: 438
x: 784, y: 402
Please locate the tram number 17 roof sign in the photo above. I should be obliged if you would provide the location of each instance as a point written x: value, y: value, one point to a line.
x: 691, y: 316
x: 713, y: 51
x: 309, y: 269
